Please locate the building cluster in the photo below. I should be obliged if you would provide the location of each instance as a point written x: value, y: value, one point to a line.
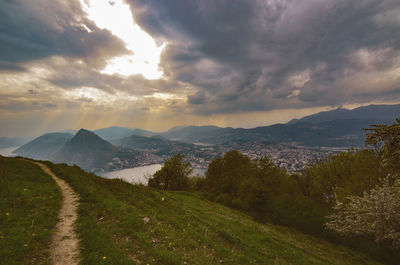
x: 291, y: 156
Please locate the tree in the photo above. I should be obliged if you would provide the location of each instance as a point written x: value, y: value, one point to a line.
x: 344, y: 174
x: 386, y: 140
x: 375, y: 213
x: 174, y: 174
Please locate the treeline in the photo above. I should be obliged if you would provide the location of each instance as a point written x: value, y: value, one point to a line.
x: 355, y: 193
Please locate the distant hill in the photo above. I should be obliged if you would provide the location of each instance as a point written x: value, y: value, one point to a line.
x: 371, y: 112
x: 114, y: 132
x: 193, y: 134
x: 44, y: 147
x: 6, y: 142
x: 336, y: 133
x: 92, y: 153
x: 156, y: 145
x: 336, y: 128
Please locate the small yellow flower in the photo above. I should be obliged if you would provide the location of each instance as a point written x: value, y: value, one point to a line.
x: 7, y: 214
x: 104, y: 257
x: 33, y: 234
x: 25, y: 189
x: 162, y: 198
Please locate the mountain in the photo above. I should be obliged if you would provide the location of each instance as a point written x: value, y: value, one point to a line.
x: 339, y: 133
x: 114, y: 132
x: 44, y: 147
x: 92, y: 153
x: 193, y: 134
x: 155, y: 145
x: 336, y: 128
x: 336, y: 133
x: 371, y: 112
x: 6, y: 142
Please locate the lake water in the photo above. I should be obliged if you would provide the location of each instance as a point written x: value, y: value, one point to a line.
x: 139, y: 174
x: 8, y: 151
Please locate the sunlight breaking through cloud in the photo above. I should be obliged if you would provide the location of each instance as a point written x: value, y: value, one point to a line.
x: 116, y: 16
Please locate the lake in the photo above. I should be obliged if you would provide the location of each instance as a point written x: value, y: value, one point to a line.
x: 138, y: 174
x: 8, y: 151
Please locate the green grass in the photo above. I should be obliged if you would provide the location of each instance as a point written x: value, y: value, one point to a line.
x: 29, y: 205
x: 183, y: 228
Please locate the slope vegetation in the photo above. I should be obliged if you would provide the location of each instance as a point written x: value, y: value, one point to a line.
x: 120, y: 223
x: 29, y: 205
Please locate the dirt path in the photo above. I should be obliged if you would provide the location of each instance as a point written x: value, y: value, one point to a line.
x: 64, y: 248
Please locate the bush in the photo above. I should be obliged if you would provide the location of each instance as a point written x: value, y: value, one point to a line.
x: 174, y: 175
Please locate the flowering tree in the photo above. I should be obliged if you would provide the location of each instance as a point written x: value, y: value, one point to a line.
x: 375, y: 213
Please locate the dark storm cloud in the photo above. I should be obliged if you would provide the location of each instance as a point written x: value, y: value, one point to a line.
x: 259, y: 55
x: 31, y: 30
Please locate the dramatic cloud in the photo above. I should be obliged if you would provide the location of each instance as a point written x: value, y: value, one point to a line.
x: 263, y: 55
x: 220, y: 61
x: 31, y: 30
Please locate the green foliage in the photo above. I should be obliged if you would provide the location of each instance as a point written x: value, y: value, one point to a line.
x: 375, y: 213
x: 263, y: 189
x: 174, y: 175
x: 29, y: 205
x: 342, y: 175
x: 182, y: 228
x: 386, y: 140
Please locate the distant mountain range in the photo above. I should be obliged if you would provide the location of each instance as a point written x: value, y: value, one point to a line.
x: 44, y: 147
x: 114, y: 132
x: 337, y: 133
x: 132, y: 147
x: 156, y: 145
x: 336, y: 128
x: 85, y: 149
x: 387, y: 113
x: 160, y: 146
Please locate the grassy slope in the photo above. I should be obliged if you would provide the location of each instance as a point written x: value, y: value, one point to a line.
x: 29, y: 204
x: 182, y: 229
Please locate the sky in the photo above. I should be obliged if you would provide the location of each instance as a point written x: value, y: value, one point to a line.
x: 70, y: 64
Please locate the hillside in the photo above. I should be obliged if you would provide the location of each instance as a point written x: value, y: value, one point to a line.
x: 44, y: 147
x: 92, y: 153
x: 29, y: 206
x: 371, y: 112
x: 193, y: 134
x: 115, y: 132
x: 120, y: 223
x: 336, y: 128
x: 337, y: 133
x: 156, y: 145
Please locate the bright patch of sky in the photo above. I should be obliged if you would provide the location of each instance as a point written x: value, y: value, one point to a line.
x: 116, y: 16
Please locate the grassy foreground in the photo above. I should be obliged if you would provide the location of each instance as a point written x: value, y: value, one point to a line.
x: 29, y: 205
x: 120, y: 223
